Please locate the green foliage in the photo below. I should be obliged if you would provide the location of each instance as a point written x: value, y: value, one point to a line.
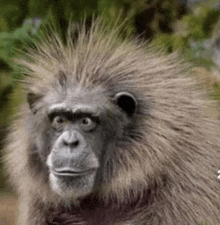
x: 199, y: 23
x: 170, y: 41
x: 216, y: 93
x: 204, y: 223
x: 13, y: 12
x: 193, y: 34
x: 200, y: 53
x: 12, y: 40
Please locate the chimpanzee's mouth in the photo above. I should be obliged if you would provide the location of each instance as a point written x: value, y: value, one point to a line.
x: 71, y: 172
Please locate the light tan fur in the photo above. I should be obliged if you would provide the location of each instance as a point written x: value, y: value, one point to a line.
x: 170, y: 159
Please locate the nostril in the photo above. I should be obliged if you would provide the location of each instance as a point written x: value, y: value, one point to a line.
x: 71, y: 143
x: 74, y: 144
x: 66, y: 143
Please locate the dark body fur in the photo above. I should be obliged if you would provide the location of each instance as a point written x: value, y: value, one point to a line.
x: 161, y: 170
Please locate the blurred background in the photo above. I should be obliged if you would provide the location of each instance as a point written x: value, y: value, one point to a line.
x: 189, y: 26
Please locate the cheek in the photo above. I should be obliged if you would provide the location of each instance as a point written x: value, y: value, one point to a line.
x: 44, y: 144
x: 49, y: 161
x: 99, y: 142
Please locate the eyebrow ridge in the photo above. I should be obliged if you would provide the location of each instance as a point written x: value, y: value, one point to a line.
x: 79, y: 109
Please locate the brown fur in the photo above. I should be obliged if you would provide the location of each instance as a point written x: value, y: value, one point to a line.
x: 163, y: 171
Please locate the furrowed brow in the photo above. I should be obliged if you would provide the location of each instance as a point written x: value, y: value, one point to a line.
x: 85, y: 110
x: 75, y: 111
x: 58, y: 108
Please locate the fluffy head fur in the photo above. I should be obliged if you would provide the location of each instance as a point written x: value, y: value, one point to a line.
x: 163, y: 170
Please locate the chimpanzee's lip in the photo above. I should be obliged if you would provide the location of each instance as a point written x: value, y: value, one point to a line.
x: 71, y: 171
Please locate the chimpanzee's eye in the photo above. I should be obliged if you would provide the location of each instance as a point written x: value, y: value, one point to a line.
x: 86, y: 121
x: 87, y: 124
x: 58, y: 121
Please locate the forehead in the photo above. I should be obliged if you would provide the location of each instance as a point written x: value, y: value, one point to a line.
x: 75, y: 99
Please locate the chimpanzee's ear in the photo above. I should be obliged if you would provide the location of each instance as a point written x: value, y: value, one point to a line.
x: 127, y: 102
x: 32, y: 99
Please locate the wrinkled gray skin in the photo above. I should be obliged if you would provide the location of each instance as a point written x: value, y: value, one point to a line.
x: 79, y: 139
